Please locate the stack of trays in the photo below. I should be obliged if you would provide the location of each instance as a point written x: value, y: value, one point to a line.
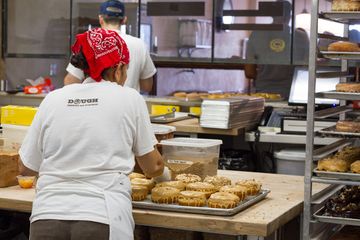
x: 239, y: 112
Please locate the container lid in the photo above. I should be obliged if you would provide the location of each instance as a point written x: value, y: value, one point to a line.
x: 191, y: 142
x: 162, y: 129
x: 291, y: 154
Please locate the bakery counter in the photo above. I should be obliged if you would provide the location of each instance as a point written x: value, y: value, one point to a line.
x: 284, y: 203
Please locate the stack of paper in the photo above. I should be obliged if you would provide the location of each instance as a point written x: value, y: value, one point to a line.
x: 242, y: 111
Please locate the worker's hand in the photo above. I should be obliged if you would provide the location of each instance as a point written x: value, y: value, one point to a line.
x: 164, y: 177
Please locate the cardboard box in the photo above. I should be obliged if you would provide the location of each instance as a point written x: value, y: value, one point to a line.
x: 9, y: 168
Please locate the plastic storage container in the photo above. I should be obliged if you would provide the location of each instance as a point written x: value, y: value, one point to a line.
x: 290, y: 161
x: 163, y: 132
x: 191, y: 155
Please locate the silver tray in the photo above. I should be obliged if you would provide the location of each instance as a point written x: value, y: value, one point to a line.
x: 331, y: 131
x: 341, y: 55
x: 338, y: 175
x: 339, y: 95
x: 318, y: 215
x: 148, y: 204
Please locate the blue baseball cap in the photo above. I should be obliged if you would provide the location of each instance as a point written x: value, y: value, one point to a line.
x: 112, y: 8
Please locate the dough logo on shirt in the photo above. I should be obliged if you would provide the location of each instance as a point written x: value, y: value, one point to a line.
x: 277, y: 45
x: 83, y: 102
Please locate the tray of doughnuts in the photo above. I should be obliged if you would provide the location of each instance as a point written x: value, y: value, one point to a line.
x: 188, y: 193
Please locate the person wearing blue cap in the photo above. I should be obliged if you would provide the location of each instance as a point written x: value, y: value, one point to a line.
x: 141, y: 68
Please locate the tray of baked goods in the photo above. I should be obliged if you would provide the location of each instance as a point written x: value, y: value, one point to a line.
x: 215, y: 195
x: 342, y: 50
x: 343, y: 165
x: 343, y: 128
x: 341, y: 55
x: 342, y: 208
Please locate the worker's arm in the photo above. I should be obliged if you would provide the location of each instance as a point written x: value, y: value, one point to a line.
x: 146, y: 84
x: 152, y: 163
x: 23, y: 170
x: 70, y: 79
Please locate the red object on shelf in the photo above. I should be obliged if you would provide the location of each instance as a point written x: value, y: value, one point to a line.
x: 356, y: 104
x: 33, y: 89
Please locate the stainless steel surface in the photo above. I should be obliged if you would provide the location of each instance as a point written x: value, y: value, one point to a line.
x: 318, y: 215
x: 334, y: 181
x: 341, y: 55
x: 288, y: 138
x: 332, y: 189
x: 339, y: 95
x: 326, y: 150
x: 169, y: 117
x: 332, y: 111
x: 344, y: 17
x: 331, y: 131
x: 306, y: 234
x: 338, y: 175
x: 148, y: 204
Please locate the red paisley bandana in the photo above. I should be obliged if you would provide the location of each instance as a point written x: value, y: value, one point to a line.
x: 102, y: 49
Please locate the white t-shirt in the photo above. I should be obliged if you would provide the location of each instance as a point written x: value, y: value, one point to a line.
x: 82, y: 131
x: 141, y: 65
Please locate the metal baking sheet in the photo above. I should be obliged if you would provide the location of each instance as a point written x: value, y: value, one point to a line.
x: 171, y: 117
x: 341, y: 55
x: 343, y: 16
x: 148, y: 204
x: 338, y: 220
x: 339, y: 95
x: 338, y: 175
x: 331, y: 131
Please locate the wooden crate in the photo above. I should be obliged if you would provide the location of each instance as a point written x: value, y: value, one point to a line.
x: 9, y: 168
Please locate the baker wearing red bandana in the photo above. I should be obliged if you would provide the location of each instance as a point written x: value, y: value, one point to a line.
x: 82, y: 144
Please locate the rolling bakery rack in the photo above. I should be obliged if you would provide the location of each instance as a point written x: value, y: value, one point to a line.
x: 312, y: 214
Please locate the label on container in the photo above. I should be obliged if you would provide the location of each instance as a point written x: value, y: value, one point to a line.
x: 180, y: 161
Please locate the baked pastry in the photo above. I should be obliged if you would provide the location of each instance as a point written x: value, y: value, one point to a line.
x: 345, y: 5
x: 333, y: 164
x: 350, y: 154
x: 345, y: 204
x: 167, y: 195
x: 223, y: 200
x: 149, y: 183
x: 188, y: 178
x: 206, y: 188
x: 175, y: 184
x: 217, y: 181
x: 180, y: 94
x: 193, y: 96
x: 348, y: 126
x: 136, y: 175
x: 238, y: 190
x: 253, y: 187
x: 348, y: 87
x: 138, y: 192
x: 192, y: 198
x: 355, y: 167
x: 343, y: 46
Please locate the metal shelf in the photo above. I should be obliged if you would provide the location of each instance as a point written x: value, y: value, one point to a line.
x: 318, y: 216
x: 334, y: 181
x: 332, y: 112
x: 325, y: 151
x: 341, y: 55
x: 339, y: 95
x: 348, y: 17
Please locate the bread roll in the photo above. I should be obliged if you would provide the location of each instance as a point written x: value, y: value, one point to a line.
x: 343, y: 46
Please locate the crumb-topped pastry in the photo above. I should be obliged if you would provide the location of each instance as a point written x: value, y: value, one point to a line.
x: 167, y: 195
x: 238, y: 190
x: 348, y: 126
x: 348, y: 87
x: 253, y: 187
x: 136, y: 175
x: 345, y: 5
x: 175, y: 184
x: 192, y: 198
x: 355, y: 167
x: 217, y: 181
x: 333, y: 164
x: 350, y: 154
x: 149, y: 183
x: 223, y: 200
x: 206, y: 188
x: 188, y: 178
x: 343, y: 46
x: 138, y: 192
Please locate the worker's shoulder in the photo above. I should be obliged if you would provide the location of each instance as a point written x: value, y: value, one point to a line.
x: 133, y: 41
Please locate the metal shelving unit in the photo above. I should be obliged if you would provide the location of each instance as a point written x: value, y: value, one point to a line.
x: 312, y: 175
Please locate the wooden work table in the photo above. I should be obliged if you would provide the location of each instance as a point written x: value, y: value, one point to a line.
x: 284, y: 203
x: 192, y: 126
